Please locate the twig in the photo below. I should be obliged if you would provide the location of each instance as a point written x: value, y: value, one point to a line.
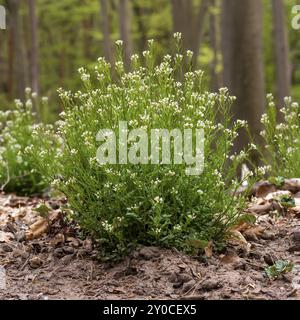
x: 25, y: 263
x: 7, y: 180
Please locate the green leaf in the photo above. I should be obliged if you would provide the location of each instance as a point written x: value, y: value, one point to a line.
x: 287, y: 201
x: 246, y: 218
x: 277, y: 181
x: 43, y: 210
x: 278, y: 268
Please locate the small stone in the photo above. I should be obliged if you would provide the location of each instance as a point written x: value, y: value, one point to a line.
x: 188, y: 286
x: 66, y: 259
x: 294, y: 248
x: 58, y: 240
x: 184, y: 277
x: 149, y: 253
x: 87, y: 245
x: 58, y: 253
x: 269, y: 259
x: 173, y: 277
x: 296, y: 236
x: 6, y: 248
x: 68, y: 250
x: 268, y: 235
x: 210, y: 284
x: 35, y: 262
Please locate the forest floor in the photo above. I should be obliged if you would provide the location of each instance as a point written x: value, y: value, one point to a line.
x: 54, y: 263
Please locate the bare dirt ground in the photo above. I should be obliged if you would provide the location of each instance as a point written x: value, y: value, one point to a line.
x: 54, y: 263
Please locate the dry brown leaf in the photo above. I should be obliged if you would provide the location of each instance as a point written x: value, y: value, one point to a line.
x: 260, y: 207
x: 229, y: 258
x: 58, y: 239
x: 239, y: 240
x: 37, y: 229
x: 73, y: 242
x: 294, y: 210
x: 209, y: 250
x: 253, y: 233
x: 264, y: 189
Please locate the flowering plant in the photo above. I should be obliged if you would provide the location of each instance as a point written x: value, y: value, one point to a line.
x: 18, y: 132
x: 125, y: 205
x: 282, y: 139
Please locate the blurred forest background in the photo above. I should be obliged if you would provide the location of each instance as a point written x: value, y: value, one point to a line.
x: 249, y: 46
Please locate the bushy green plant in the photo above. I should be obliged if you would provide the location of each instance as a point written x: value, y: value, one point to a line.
x: 18, y: 131
x: 125, y: 205
x: 282, y: 139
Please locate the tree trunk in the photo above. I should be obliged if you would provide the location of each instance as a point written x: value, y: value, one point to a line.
x: 34, y: 64
x: 283, y: 67
x: 191, y: 26
x: 106, y: 31
x: 243, y: 61
x: 125, y: 30
x: 17, y: 47
x: 139, y: 15
x: 214, y: 36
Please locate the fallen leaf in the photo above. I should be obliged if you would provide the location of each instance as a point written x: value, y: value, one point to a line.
x: 6, y: 236
x: 37, y: 229
x: 253, y: 233
x: 239, y: 240
x: 209, y: 249
x: 58, y: 239
x: 261, y: 207
x: 229, y: 258
x: 35, y: 262
x: 265, y: 189
x: 292, y: 185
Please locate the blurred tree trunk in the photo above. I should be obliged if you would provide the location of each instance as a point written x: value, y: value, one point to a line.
x: 283, y: 67
x: 125, y: 30
x: 2, y: 63
x: 243, y: 62
x: 34, y: 49
x: 191, y: 26
x: 139, y: 16
x: 214, y: 36
x: 10, y: 70
x: 16, y: 49
x: 106, y: 30
x: 87, y: 25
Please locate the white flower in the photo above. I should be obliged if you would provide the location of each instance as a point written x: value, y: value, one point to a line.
x: 263, y: 170
x: 28, y: 90
x: 119, y: 43
x: 44, y: 99
x: 177, y: 36
x: 190, y: 54
x: 158, y: 199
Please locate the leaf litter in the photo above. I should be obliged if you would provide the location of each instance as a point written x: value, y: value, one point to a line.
x: 46, y: 257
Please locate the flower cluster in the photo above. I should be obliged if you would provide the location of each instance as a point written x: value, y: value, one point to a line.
x: 282, y: 139
x: 19, y: 134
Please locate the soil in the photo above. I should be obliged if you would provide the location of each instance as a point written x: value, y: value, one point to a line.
x: 47, y: 259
